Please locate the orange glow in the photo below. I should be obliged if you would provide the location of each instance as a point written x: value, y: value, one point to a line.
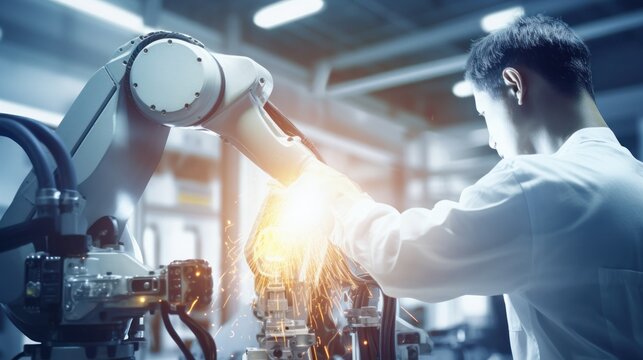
x: 290, y: 244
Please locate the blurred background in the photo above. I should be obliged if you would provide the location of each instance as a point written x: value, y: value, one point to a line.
x: 376, y: 84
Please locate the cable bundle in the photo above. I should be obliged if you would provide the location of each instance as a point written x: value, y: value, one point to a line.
x: 36, y: 139
x: 206, y: 341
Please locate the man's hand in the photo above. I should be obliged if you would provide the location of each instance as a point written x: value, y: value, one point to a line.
x: 334, y: 186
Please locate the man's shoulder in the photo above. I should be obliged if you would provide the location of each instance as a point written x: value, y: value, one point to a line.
x: 526, y: 167
x: 525, y: 173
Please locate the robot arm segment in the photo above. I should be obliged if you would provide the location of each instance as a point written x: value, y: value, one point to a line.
x: 221, y: 93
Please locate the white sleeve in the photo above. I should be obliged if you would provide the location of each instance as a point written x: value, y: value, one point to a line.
x: 480, y: 245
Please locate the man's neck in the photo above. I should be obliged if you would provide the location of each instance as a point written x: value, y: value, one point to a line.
x: 564, y: 117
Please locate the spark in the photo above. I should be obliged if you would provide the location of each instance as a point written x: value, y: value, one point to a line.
x: 289, y: 245
x: 409, y: 314
x: 192, y: 305
x: 218, y: 331
x: 226, y: 301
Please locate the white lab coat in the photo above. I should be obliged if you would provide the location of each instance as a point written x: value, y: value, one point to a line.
x: 560, y: 235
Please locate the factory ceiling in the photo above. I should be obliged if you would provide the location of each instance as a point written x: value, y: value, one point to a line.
x: 410, y: 53
x: 406, y: 54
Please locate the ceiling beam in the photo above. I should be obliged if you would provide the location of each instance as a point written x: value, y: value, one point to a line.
x: 455, y: 64
x: 461, y: 28
x: 393, y: 78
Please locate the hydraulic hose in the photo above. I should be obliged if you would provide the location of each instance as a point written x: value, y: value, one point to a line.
x: 29, y: 143
x: 67, y: 175
x: 165, y: 311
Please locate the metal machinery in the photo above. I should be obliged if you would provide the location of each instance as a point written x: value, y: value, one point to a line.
x: 284, y: 331
x: 73, y: 279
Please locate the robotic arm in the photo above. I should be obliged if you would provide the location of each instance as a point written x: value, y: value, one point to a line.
x: 117, y: 127
x: 116, y: 132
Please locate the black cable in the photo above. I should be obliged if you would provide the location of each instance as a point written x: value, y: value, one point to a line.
x: 19, y: 356
x: 374, y: 342
x: 165, y: 311
x: 369, y: 350
x: 206, y: 341
x: 387, y: 329
x: 55, y: 145
x: 33, y: 149
x: 290, y: 129
x: 15, y: 236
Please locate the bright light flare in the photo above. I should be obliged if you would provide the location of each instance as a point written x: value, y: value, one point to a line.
x: 109, y: 13
x: 289, y: 245
x: 304, y: 205
x: 285, y: 11
x: 500, y: 19
x: 462, y: 89
x: 290, y: 236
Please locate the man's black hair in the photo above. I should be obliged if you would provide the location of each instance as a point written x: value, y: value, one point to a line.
x: 541, y: 43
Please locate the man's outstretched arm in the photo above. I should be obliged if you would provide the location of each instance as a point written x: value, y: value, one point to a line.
x: 481, y: 244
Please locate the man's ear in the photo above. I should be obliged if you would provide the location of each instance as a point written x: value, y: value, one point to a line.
x: 514, y: 80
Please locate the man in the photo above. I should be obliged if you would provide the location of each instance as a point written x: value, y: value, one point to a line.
x: 556, y: 226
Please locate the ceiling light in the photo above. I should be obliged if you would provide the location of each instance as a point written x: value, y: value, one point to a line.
x: 47, y: 117
x: 285, y: 11
x: 462, y: 89
x: 109, y: 13
x: 500, y: 19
